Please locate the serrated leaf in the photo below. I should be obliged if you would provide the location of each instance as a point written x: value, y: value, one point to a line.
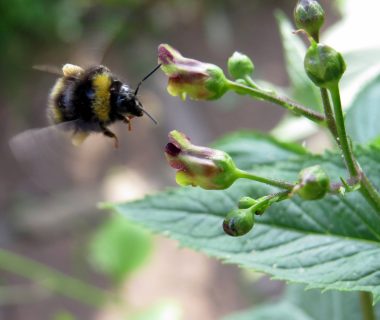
x: 303, y: 90
x: 363, y: 116
x: 332, y: 243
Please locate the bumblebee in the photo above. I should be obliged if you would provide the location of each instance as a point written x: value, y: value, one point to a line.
x: 84, y: 101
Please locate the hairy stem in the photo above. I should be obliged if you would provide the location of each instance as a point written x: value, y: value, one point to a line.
x: 275, y: 183
x: 281, y: 101
x: 367, y: 307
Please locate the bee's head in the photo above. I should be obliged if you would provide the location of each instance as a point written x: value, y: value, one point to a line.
x: 125, y: 101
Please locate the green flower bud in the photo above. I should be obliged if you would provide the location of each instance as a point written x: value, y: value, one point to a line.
x: 309, y: 16
x: 246, y: 202
x: 207, y: 168
x: 313, y: 183
x: 189, y: 77
x: 324, y: 65
x: 238, y: 222
x: 240, y: 65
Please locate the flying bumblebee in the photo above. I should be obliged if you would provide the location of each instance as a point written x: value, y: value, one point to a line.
x: 83, y: 101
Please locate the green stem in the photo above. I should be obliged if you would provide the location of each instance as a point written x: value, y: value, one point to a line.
x: 283, y: 102
x: 52, y: 279
x: 251, y: 83
x: 367, y: 307
x: 275, y: 183
x: 329, y: 114
x: 341, y: 131
x: 367, y: 189
x: 264, y: 202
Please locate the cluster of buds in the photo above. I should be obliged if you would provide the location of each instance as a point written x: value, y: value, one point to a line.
x: 213, y: 169
x: 324, y: 65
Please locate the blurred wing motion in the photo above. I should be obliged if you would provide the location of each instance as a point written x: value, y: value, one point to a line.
x: 43, y: 154
x: 48, y: 69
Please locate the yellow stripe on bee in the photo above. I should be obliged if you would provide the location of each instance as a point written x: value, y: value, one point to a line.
x: 54, y: 111
x: 101, y: 105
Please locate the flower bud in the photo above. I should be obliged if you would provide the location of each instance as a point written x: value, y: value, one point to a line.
x: 324, y: 65
x: 246, y: 202
x: 199, y: 166
x: 240, y: 66
x: 198, y: 80
x: 309, y: 16
x: 313, y: 183
x: 238, y: 222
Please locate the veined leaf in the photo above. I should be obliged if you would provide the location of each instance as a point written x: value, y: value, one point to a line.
x: 333, y: 243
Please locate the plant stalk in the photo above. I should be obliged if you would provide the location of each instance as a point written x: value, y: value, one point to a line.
x: 52, y: 279
x: 367, y: 189
x: 367, y: 306
x: 329, y: 114
x: 283, y: 102
x: 275, y: 183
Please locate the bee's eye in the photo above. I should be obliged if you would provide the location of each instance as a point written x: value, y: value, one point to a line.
x: 115, y: 86
x: 90, y: 93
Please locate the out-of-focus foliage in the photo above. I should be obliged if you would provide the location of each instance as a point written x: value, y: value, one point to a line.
x: 161, y: 311
x: 118, y: 248
x: 64, y: 316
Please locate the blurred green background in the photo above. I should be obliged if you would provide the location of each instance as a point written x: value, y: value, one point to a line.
x: 49, y: 207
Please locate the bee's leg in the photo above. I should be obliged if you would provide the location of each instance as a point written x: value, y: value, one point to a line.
x: 108, y: 133
x: 126, y: 120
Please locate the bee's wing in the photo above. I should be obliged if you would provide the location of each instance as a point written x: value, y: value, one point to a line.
x: 43, y: 152
x: 48, y: 69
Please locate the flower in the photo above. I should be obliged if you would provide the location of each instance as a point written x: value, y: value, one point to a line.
x: 198, y: 80
x: 199, y: 166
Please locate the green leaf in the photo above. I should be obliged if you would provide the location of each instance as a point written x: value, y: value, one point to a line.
x: 252, y: 148
x: 303, y: 90
x: 64, y: 316
x: 275, y: 311
x: 363, y: 116
x: 320, y: 243
x: 119, y: 248
x: 307, y: 305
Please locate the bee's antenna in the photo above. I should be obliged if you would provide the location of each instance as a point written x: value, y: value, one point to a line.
x: 146, y: 77
x: 150, y: 117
